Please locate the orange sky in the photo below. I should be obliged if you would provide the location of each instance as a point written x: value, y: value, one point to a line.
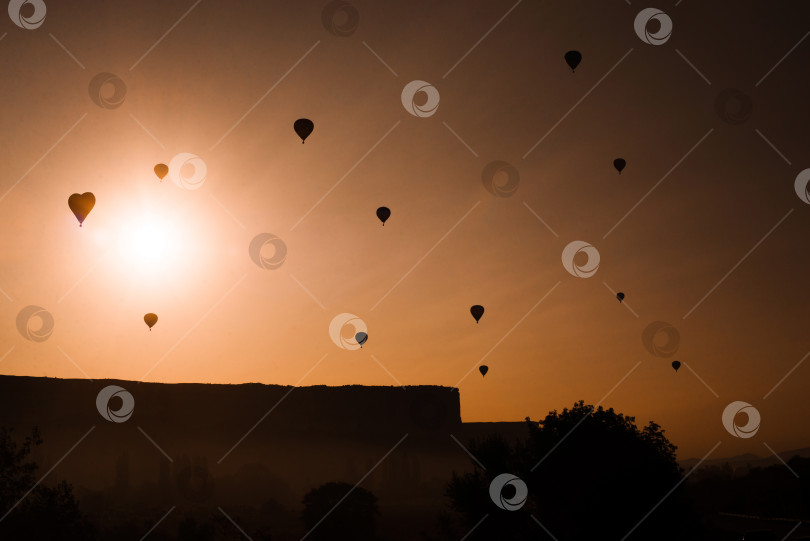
x: 247, y: 74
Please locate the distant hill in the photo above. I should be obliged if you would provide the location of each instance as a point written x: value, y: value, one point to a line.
x: 252, y: 446
x: 290, y: 438
x: 742, y: 463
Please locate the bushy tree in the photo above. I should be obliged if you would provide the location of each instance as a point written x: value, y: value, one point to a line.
x: 44, y: 512
x: 591, y: 473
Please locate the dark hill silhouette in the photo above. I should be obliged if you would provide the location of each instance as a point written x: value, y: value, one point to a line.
x: 313, y: 436
x: 256, y: 450
x: 179, y: 448
x: 774, y: 497
x: 741, y: 464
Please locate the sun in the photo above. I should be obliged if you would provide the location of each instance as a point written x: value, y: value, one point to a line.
x: 149, y: 243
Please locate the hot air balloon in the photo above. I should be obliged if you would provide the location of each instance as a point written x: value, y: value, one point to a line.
x: 619, y: 164
x: 361, y: 338
x: 573, y: 58
x: 676, y: 365
x: 150, y: 320
x: 303, y: 127
x: 161, y: 170
x: 620, y: 296
x: 81, y: 205
x: 483, y: 369
x: 477, y: 311
x: 383, y: 213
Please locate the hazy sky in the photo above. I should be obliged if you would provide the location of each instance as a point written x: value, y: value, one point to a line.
x: 226, y: 83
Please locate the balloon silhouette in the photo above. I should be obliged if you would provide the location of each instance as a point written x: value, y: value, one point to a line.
x: 161, y: 170
x: 620, y: 296
x: 573, y: 58
x: 477, y: 311
x: 303, y: 127
x: 619, y: 164
x: 81, y: 205
x: 361, y: 338
x: 483, y: 369
x: 383, y: 213
x: 676, y: 365
x: 150, y: 320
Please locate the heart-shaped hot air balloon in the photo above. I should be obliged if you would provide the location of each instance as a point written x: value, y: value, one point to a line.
x: 81, y: 205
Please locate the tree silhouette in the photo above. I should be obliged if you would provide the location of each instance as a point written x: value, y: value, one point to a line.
x: 591, y: 474
x: 354, y: 518
x: 44, y: 512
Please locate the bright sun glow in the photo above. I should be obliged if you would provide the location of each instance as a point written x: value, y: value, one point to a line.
x: 149, y: 243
